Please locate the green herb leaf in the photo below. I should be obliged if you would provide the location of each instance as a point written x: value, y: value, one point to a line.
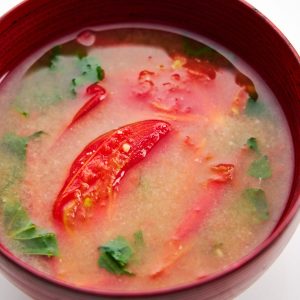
x: 36, y: 135
x: 254, y: 108
x: 260, y: 168
x: 257, y: 199
x: 54, y: 57
x: 39, y: 243
x: 18, y: 144
x: 115, y: 255
x: 90, y: 72
x: 32, y: 240
x: 252, y: 144
x: 15, y: 144
x: 119, y: 249
x: 139, y: 239
x: 23, y: 113
x: 100, y: 73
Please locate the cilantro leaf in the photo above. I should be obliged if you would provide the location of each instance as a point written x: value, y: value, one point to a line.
x: 18, y: 144
x: 32, y: 240
x: 22, y: 112
x: 139, y: 238
x: 260, y: 168
x: 252, y: 144
x: 54, y: 57
x: 257, y: 199
x: 90, y: 72
x: 254, y: 108
x: 119, y: 249
x: 115, y: 256
x: 15, y: 144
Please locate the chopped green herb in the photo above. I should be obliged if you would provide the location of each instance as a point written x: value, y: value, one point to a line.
x: 23, y: 113
x: 90, y: 72
x: 15, y: 144
x: 260, y: 168
x: 252, y: 144
x: 54, y: 57
x: 254, y: 108
x: 18, y: 144
x: 36, y: 135
x: 100, y: 73
x: 9, y: 179
x: 115, y: 256
x: 139, y: 239
x: 257, y: 198
x: 33, y: 241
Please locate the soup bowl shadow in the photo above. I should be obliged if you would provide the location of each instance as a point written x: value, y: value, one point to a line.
x: 233, y: 24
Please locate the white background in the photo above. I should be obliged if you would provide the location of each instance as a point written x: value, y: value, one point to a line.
x: 282, y: 280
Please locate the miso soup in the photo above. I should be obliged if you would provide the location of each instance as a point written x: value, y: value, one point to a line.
x: 139, y: 159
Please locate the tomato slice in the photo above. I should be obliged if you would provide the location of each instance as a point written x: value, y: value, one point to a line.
x: 97, y: 171
x: 180, y: 242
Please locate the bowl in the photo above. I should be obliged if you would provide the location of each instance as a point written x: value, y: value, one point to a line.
x: 233, y: 24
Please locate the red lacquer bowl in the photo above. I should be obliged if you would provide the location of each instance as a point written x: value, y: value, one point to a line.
x: 233, y: 24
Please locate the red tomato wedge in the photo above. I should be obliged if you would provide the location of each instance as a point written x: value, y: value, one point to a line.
x: 196, y: 216
x: 97, y: 171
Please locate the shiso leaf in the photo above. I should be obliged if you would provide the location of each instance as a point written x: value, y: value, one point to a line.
x: 254, y: 108
x: 252, y: 144
x: 257, y: 199
x: 54, y: 57
x: 90, y: 72
x: 139, y: 239
x: 17, y: 145
x: 32, y: 240
x: 260, y: 168
x: 115, y: 256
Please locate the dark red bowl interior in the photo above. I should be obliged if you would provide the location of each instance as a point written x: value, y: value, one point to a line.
x: 231, y: 23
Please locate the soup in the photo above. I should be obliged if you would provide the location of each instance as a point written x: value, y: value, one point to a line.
x: 139, y: 159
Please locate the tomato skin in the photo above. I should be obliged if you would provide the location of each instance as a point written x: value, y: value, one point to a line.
x: 98, y: 94
x: 212, y: 194
x: 96, y: 173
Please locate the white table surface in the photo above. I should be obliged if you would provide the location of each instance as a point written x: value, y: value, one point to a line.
x: 282, y: 280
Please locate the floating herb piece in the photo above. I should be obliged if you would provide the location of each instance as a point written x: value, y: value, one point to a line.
x: 18, y: 144
x: 23, y: 113
x: 257, y: 199
x: 15, y: 144
x: 33, y: 241
x: 54, y: 57
x: 254, y: 108
x: 9, y: 179
x: 260, y: 168
x: 36, y: 135
x: 139, y: 239
x: 90, y: 72
x: 252, y: 144
x: 115, y: 256
x: 100, y: 73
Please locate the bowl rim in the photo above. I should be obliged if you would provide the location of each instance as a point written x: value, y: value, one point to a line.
x: 256, y: 252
